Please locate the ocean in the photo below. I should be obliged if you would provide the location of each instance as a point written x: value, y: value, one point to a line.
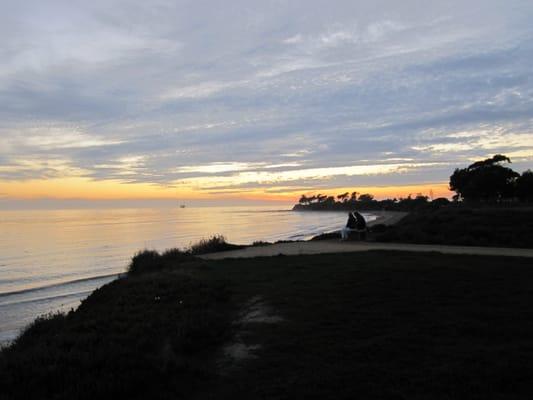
x: 51, y: 259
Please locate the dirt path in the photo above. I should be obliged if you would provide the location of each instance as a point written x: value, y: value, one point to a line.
x: 336, y: 246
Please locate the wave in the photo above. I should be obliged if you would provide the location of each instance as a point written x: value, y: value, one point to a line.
x: 57, y: 285
x: 47, y: 298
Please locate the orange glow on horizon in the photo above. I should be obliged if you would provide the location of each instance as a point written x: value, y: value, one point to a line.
x: 87, y: 189
x: 84, y: 188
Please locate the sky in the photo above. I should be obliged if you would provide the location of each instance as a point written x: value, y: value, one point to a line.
x: 258, y: 100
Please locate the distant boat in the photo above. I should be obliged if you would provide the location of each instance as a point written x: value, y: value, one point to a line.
x: 182, y: 205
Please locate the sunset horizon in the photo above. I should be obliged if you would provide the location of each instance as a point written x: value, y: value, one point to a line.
x: 381, y: 98
x: 63, y: 191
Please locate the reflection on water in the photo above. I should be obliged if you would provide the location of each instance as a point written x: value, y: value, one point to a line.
x: 49, y: 260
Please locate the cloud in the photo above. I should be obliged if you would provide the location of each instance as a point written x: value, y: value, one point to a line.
x: 255, y: 179
x: 296, y: 94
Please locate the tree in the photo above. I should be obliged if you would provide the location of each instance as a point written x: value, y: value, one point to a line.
x: 343, y: 197
x: 303, y: 199
x: 353, y: 196
x: 484, y: 180
x: 366, y: 198
x: 321, y: 197
x: 329, y: 200
x: 524, y: 186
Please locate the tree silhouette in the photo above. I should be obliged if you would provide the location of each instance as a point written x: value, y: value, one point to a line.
x: 484, y: 180
x: 366, y: 197
x: 321, y: 197
x: 303, y: 199
x: 343, y: 197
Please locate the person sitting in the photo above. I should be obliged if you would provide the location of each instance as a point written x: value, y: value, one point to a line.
x: 356, y: 223
x: 361, y: 225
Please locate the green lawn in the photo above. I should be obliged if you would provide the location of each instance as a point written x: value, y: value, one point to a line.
x: 377, y: 325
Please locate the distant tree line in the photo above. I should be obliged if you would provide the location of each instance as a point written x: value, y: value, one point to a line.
x: 366, y: 201
x: 485, y: 181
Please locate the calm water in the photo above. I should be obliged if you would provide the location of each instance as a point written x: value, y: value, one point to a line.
x: 50, y: 260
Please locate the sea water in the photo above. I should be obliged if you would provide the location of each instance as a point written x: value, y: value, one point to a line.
x: 51, y: 259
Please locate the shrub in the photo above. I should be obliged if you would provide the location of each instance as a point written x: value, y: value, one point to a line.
x: 143, y: 261
x: 214, y: 244
x: 151, y: 260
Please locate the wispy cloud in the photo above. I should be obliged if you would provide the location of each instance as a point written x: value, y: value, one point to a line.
x: 297, y: 94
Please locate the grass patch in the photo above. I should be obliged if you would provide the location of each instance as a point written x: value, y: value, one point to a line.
x: 386, y: 325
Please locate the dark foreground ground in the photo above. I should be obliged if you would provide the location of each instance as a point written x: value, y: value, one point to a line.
x: 377, y: 325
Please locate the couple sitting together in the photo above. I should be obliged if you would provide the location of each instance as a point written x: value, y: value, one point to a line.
x: 356, y: 223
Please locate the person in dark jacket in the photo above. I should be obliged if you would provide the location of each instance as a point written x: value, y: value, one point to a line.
x: 360, y: 221
x: 356, y: 223
x: 352, y: 221
x: 361, y: 225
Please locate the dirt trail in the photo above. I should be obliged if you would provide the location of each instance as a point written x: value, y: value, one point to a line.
x: 336, y: 246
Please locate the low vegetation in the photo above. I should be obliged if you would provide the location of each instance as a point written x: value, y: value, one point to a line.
x: 214, y: 244
x: 152, y: 261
